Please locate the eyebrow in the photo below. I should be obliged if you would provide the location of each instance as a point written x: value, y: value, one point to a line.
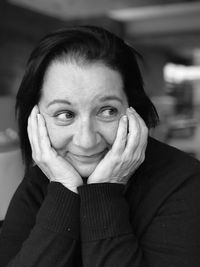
x: 59, y: 101
x: 102, y: 99
x: 110, y: 97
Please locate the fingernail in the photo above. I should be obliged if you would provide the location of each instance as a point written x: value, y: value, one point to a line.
x: 129, y: 110
x: 132, y: 109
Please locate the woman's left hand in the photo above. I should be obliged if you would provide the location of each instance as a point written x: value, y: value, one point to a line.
x: 127, y: 152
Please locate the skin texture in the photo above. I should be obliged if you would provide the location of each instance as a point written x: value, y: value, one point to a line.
x: 85, y: 127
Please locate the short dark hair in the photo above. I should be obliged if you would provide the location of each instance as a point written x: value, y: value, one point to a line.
x: 85, y: 44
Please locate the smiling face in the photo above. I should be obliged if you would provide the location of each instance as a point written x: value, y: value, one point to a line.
x: 82, y: 105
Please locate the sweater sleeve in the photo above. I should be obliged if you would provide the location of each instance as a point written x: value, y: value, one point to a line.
x: 107, y: 236
x: 170, y: 238
x: 50, y: 240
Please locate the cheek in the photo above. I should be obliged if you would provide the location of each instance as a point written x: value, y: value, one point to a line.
x: 58, y: 136
x: 109, y: 132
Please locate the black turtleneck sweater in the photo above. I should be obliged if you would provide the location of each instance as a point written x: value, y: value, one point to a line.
x: 153, y: 222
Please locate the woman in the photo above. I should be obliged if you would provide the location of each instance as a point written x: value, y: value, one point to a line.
x: 88, y: 197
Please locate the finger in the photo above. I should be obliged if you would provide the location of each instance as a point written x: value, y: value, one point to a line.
x: 30, y: 134
x: 45, y: 144
x: 143, y: 128
x: 133, y: 139
x: 121, y: 137
x: 142, y: 142
x: 29, y: 131
x: 33, y: 131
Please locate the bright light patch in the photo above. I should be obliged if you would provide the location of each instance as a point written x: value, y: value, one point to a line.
x: 179, y: 73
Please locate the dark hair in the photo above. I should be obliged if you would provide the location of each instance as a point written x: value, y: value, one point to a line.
x: 84, y: 44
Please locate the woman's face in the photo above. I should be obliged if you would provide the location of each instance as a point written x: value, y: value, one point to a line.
x: 82, y: 105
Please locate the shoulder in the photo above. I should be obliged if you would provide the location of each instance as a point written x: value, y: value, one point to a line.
x: 167, y: 170
x: 35, y: 177
x: 168, y: 179
x: 22, y: 211
x: 30, y: 193
x: 25, y: 203
x: 174, y: 177
x: 164, y: 157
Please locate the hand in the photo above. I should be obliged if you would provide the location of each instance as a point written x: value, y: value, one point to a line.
x: 55, y: 167
x: 127, y: 152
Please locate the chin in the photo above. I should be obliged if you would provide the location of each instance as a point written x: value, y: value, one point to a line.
x: 85, y: 170
x: 83, y: 165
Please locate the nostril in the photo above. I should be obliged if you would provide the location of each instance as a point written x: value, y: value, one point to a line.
x: 86, y: 139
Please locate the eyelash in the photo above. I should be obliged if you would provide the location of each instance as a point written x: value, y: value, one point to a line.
x: 65, y: 112
x: 72, y: 115
x: 113, y: 110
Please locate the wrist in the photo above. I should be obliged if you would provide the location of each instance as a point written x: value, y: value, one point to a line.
x: 73, y: 188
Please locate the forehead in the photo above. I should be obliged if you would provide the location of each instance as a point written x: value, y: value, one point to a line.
x: 81, y: 82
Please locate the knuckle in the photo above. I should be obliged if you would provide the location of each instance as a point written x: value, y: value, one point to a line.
x: 137, y: 157
x: 116, y: 160
x: 37, y: 158
x: 33, y: 157
x: 141, y: 158
x: 45, y: 158
x: 42, y: 159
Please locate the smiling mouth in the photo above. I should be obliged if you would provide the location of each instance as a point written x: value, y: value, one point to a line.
x: 87, y: 158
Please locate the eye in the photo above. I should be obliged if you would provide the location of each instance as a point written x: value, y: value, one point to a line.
x: 108, y: 112
x: 65, y: 116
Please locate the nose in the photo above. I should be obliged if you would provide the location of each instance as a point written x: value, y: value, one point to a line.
x: 86, y: 135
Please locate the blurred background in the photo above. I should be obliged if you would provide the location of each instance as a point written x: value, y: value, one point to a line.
x: 166, y: 33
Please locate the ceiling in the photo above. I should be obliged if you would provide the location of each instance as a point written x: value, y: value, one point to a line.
x: 70, y: 9
x: 166, y: 23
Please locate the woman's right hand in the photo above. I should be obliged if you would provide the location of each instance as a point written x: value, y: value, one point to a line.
x: 55, y: 167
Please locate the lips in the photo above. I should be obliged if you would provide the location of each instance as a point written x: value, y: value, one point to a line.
x: 87, y: 158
